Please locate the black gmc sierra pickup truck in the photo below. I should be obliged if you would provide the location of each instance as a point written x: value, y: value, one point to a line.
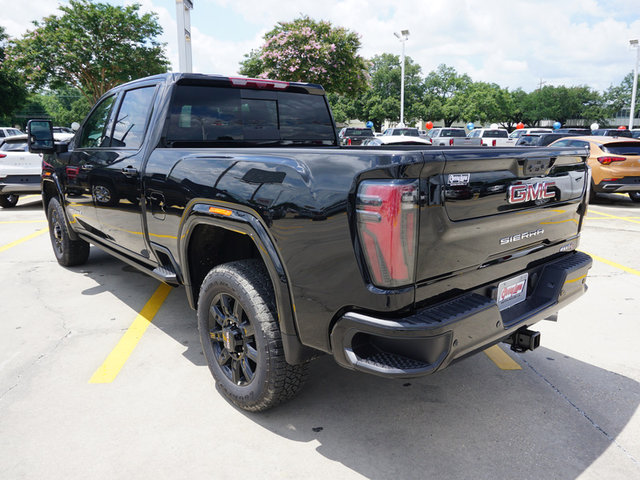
x: 396, y: 260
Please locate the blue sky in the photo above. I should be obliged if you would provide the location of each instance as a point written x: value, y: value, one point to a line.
x: 514, y: 43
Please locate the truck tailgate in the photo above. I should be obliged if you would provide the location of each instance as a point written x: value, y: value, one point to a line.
x: 497, y: 206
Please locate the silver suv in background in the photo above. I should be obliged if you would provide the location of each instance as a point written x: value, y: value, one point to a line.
x: 451, y: 136
x: 8, y: 132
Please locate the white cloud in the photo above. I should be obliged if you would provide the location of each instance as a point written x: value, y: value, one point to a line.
x: 513, y: 44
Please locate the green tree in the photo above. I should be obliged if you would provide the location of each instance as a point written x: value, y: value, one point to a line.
x: 565, y: 103
x: 12, y: 91
x: 91, y: 46
x: 308, y: 51
x: 440, y: 87
x: 618, y: 97
x: 481, y: 102
x: 65, y: 105
x: 382, y: 101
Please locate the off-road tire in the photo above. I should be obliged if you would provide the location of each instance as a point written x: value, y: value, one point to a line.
x: 68, y: 252
x: 241, y: 338
x: 8, y: 201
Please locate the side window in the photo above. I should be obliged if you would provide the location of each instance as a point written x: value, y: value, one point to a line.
x: 132, y: 118
x: 561, y: 143
x: 94, y: 132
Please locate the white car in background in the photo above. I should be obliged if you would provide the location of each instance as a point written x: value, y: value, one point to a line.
x: 20, y: 170
x: 516, y: 134
x: 491, y: 137
x: 397, y: 140
x: 8, y: 132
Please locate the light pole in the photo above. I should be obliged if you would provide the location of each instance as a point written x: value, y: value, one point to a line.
x: 634, y: 44
x: 403, y: 36
x: 183, y: 20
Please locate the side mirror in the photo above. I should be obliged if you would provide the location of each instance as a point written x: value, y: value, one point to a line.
x: 75, y: 126
x: 40, y: 136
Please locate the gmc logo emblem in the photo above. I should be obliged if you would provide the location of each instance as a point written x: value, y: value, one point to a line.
x: 530, y: 192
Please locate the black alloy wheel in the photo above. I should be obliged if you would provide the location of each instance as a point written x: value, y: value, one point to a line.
x: 241, y: 340
x: 233, y: 339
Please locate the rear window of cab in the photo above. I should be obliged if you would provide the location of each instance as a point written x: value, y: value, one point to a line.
x: 201, y: 114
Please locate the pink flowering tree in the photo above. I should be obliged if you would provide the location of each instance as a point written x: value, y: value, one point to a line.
x: 91, y: 46
x: 308, y: 51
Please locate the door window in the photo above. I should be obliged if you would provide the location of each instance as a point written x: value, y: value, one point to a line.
x: 95, y: 132
x: 132, y: 118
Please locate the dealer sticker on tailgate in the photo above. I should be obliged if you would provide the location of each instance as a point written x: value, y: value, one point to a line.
x: 512, y: 291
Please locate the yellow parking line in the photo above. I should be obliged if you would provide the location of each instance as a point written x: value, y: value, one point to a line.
x: 606, y: 215
x: 108, y: 371
x: 501, y: 359
x: 614, y: 264
x: 23, y: 239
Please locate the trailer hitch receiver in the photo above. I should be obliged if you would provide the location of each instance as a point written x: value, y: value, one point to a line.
x: 523, y: 340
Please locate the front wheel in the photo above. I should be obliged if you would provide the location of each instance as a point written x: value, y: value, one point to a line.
x: 241, y: 339
x: 8, y: 201
x: 68, y: 252
x: 634, y: 196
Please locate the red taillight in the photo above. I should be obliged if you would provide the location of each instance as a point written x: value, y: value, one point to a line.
x: 387, y: 219
x: 494, y: 143
x: 2, y: 155
x: 72, y: 172
x: 258, y: 83
x: 451, y: 142
x: 609, y: 160
x: 348, y: 141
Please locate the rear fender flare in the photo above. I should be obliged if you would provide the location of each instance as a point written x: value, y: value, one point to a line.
x: 245, y: 221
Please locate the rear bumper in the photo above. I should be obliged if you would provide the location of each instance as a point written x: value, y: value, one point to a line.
x: 20, y: 184
x: 434, y: 337
x: 626, y: 184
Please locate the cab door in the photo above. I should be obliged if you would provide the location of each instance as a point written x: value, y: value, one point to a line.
x: 86, y: 153
x: 116, y: 183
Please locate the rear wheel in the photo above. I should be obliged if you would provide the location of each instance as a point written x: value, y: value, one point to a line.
x: 8, y: 201
x: 634, y: 196
x: 241, y: 339
x: 68, y: 252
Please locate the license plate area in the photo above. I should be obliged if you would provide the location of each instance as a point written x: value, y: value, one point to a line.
x: 512, y: 291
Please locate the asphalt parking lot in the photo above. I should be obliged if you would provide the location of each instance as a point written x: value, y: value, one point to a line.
x: 81, y: 398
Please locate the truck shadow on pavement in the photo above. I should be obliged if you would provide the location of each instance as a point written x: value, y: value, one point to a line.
x: 552, y: 419
x: 548, y: 420
x: 175, y: 317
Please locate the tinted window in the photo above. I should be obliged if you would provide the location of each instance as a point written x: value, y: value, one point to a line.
x: 358, y: 132
x: 223, y: 115
x: 132, y: 118
x: 495, y: 134
x: 406, y: 132
x: 452, y: 133
x: 622, y: 148
x: 15, y: 146
x: 94, y: 132
x: 528, y: 140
